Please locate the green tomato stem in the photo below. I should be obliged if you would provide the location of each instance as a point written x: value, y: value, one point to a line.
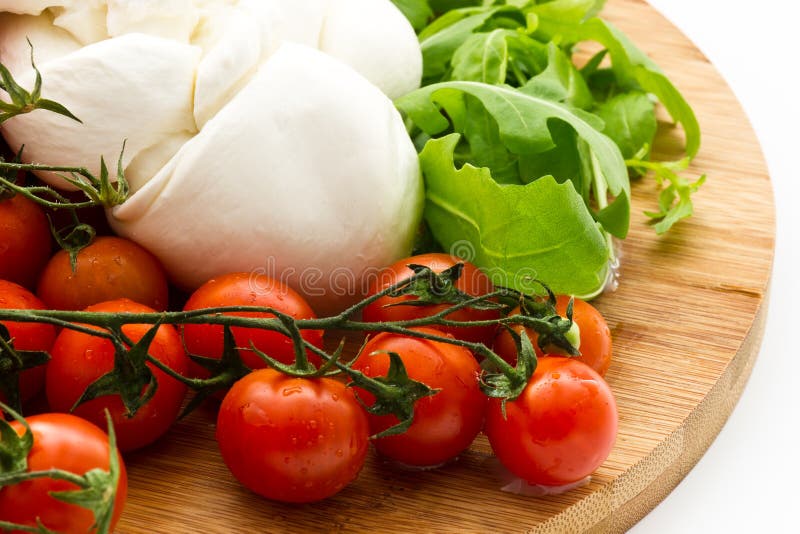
x: 55, y: 474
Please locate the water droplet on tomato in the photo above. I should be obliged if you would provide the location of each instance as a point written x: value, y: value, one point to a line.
x: 291, y: 390
x: 339, y: 453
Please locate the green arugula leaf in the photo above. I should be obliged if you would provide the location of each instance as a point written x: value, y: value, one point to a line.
x: 675, y: 200
x: 632, y: 68
x: 560, y: 81
x: 483, y: 57
x: 518, y: 232
x: 486, y: 148
x: 440, y: 40
x: 442, y: 6
x: 567, y: 12
x: 524, y: 128
x: 527, y: 58
x: 418, y: 12
x: 562, y: 162
x: 630, y: 120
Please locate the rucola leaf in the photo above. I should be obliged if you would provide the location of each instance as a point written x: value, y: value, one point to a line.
x: 418, y: 12
x: 632, y: 68
x: 519, y: 232
x: 524, y: 128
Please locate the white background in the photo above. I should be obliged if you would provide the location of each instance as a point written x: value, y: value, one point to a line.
x: 749, y: 480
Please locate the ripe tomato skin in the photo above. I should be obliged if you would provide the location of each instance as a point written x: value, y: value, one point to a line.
x: 560, y: 429
x: 245, y: 289
x: 25, y: 241
x: 472, y: 282
x: 596, y: 350
x: 292, y: 439
x: 444, y: 424
x: 61, y: 441
x: 26, y: 336
x: 109, y: 268
x: 79, y: 359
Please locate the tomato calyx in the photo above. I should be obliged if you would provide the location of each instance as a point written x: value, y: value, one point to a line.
x: 431, y: 287
x: 12, y: 362
x: 23, y: 101
x: 395, y: 394
x: 97, y: 488
x: 225, y: 371
x: 557, y: 335
x: 131, y: 378
x: 14, y: 448
x: 508, y: 385
x: 73, y: 238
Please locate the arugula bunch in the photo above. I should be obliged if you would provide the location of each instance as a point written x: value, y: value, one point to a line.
x: 525, y: 155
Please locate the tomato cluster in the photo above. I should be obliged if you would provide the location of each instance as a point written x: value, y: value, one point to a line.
x: 289, y: 437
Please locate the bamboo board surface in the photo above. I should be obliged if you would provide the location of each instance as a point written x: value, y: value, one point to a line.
x: 687, y: 321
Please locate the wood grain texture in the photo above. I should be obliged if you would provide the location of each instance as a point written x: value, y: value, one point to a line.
x: 687, y: 322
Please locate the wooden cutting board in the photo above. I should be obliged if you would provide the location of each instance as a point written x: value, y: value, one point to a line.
x: 687, y: 321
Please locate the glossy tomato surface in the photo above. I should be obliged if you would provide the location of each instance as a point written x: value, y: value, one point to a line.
x: 26, y: 336
x: 560, y: 429
x: 61, y: 441
x: 246, y: 289
x: 78, y: 359
x: 444, y: 424
x: 472, y: 282
x: 109, y: 268
x: 25, y: 242
x: 292, y: 439
x: 595, y: 345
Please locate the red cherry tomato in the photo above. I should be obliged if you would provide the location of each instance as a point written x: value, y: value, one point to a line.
x: 244, y: 289
x: 109, y: 268
x: 292, y: 439
x: 444, y: 424
x: 79, y: 359
x: 560, y: 429
x: 69, y: 443
x: 25, y: 241
x: 26, y: 336
x: 595, y: 343
x: 472, y: 282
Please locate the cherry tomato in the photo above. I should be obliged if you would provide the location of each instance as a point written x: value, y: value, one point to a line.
x: 560, y: 429
x: 25, y: 241
x: 26, y: 336
x: 78, y: 359
x: 292, y: 439
x: 472, y: 282
x: 595, y: 343
x: 69, y: 443
x: 109, y: 268
x: 244, y: 289
x: 444, y: 424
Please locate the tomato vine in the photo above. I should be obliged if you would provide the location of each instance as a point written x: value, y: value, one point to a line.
x: 397, y: 392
